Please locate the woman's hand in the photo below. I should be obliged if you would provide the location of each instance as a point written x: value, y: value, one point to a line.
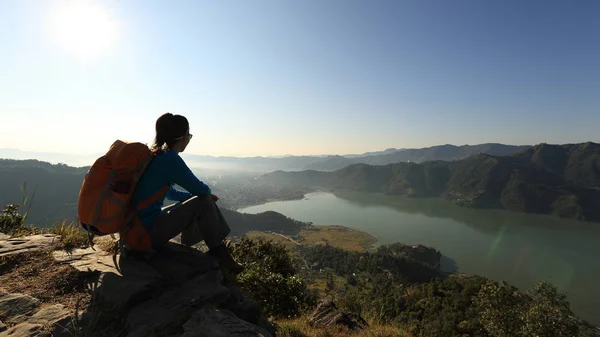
x: 214, y: 197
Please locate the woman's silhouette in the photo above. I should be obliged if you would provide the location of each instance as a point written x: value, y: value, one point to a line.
x: 195, y: 215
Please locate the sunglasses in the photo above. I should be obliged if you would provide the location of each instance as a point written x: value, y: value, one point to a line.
x: 189, y: 135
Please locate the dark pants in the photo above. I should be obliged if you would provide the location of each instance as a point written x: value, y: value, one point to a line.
x: 197, y: 219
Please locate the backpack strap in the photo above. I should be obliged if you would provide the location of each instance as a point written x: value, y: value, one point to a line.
x: 92, y: 231
x: 104, y: 194
x: 134, y: 221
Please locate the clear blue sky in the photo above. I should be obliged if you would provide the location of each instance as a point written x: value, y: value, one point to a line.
x: 269, y: 77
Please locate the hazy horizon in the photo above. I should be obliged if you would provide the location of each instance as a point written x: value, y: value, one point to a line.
x: 208, y: 162
x: 301, y: 78
x: 187, y: 151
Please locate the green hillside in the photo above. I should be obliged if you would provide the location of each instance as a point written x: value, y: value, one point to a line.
x: 562, y: 180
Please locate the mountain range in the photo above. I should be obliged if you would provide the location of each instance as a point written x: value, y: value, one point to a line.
x: 441, y: 152
x: 51, y: 192
x: 562, y: 180
x: 51, y: 189
x: 76, y: 160
x: 336, y: 162
x: 295, y: 163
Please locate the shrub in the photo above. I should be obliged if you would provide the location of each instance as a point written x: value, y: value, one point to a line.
x: 548, y: 314
x: 542, y: 311
x: 71, y: 236
x: 266, y: 253
x: 500, y: 306
x: 11, y: 222
x: 270, y: 278
x: 10, y: 219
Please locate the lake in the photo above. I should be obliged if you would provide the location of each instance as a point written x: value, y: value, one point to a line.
x: 521, y: 249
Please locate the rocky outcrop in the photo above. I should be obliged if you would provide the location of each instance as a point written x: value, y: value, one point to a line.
x: 213, y: 322
x: 9, y: 246
x: 180, y: 291
x: 14, y: 308
x: 28, y: 317
x: 327, y: 314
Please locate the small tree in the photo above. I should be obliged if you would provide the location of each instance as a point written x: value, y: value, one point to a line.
x: 270, y: 278
x: 11, y: 220
x: 500, y: 306
x: 542, y: 311
x: 549, y: 313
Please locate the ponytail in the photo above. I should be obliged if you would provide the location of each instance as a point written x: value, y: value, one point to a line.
x: 168, y: 128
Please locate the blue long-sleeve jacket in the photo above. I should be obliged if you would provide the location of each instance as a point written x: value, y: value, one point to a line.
x: 167, y: 168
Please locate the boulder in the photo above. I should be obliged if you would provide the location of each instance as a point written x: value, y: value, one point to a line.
x: 58, y: 320
x: 22, y: 312
x: 264, y: 323
x: 121, y: 284
x: 174, y: 307
x: 118, y: 293
x: 26, y: 330
x: 179, y: 290
x: 213, y: 322
x: 326, y: 314
x: 242, y: 306
x: 88, y: 260
x: 14, y: 308
x: 177, y: 263
x: 12, y: 246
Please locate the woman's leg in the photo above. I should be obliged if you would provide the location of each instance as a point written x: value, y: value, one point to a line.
x: 211, y: 226
x: 197, y: 219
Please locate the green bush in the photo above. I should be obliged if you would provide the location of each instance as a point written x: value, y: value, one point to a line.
x: 542, y: 311
x: 276, y: 294
x: 500, y: 308
x: 443, y: 307
x: 11, y: 220
x: 351, y: 301
x: 272, y: 256
x: 271, y: 280
x: 548, y: 314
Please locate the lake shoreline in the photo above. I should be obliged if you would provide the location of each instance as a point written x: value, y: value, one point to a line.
x: 519, y: 248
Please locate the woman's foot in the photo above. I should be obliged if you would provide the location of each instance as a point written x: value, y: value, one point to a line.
x: 226, y: 261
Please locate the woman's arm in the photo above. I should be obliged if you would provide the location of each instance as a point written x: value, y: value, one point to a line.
x: 177, y: 195
x: 181, y: 175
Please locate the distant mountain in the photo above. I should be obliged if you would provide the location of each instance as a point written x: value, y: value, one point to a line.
x: 374, y: 153
x: 336, y: 162
x: 251, y: 164
x: 52, y: 190
x: 293, y: 163
x: 562, y: 180
x: 50, y: 157
x: 445, y: 152
x: 333, y: 163
x: 441, y: 152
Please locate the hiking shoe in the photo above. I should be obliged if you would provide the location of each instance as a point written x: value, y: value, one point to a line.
x: 225, y: 260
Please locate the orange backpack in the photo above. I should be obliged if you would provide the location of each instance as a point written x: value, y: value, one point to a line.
x: 104, y: 203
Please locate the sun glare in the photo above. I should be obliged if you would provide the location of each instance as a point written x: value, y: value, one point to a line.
x: 83, y: 28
